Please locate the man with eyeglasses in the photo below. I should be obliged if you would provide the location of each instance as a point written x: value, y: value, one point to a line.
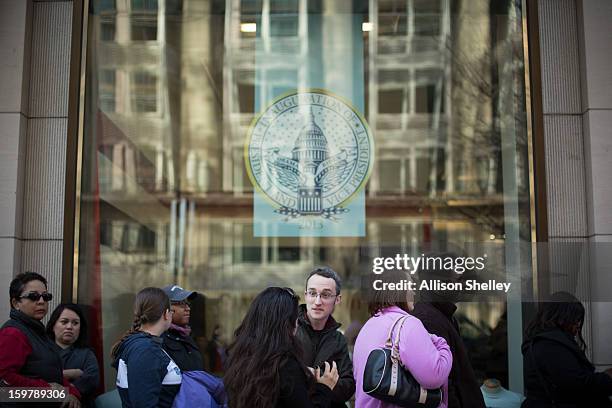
x: 318, y: 331
x: 178, y: 342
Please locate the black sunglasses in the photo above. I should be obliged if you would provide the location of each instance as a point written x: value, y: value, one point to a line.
x: 181, y: 303
x: 35, y: 296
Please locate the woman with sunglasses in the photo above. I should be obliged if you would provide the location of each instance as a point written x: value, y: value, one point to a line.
x: 146, y: 375
x: 27, y: 357
x: 265, y: 367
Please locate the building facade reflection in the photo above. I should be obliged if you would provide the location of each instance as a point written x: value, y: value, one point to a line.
x: 173, y: 87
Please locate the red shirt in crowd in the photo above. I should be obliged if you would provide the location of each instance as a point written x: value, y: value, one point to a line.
x: 14, y: 351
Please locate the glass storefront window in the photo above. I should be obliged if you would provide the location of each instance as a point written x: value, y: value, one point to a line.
x: 173, y: 88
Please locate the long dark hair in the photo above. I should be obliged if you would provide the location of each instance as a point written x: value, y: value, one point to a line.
x: 149, y: 306
x: 81, y: 341
x: 262, y: 343
x: 562, y: 311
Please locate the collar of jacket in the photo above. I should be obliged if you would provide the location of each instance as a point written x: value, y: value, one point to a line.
x: 330, y: 325
x: 448, y: 309
x: 154, y: 339
x: 32, y: 323
x: 180, y: 330
x: 391, y: 309
x: 561, y: 337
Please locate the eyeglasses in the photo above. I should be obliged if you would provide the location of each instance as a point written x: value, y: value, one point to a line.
x: 325, y: 296
x: 35, y: 296
x: 182, y: 303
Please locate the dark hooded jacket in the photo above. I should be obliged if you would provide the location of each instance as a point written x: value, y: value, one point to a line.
x: 565, y: 376
x: 183, y: 350
x: 463, y: 389
x: 145, y: 373
x: 295, y: 390
x: 84, y: 359
x: 328, y: 345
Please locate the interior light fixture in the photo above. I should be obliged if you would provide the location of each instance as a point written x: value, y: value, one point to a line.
x: 367, y: 26
x: 248, y: 27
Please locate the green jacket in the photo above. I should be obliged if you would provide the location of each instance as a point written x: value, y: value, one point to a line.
x: 328, y: 345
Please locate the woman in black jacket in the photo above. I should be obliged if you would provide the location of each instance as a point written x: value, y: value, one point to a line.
x: 67, y: 327
x: 264, y: 366
x: 557, y: 372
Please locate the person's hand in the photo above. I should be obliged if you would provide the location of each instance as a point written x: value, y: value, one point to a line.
x: 329, y: 376
x: 609, y: 372
x: 71, y: 402
x: 73, y: 373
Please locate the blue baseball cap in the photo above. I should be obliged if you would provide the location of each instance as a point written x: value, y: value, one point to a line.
x: 178, y: 294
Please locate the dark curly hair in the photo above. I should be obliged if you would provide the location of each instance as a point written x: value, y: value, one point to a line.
x: 17, y: 284
x: 262, y: 343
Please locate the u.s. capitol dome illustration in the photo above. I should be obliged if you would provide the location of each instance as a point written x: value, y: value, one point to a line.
x: 313, y: 170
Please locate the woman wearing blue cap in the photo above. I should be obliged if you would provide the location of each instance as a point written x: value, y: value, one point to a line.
x: 178, y: 342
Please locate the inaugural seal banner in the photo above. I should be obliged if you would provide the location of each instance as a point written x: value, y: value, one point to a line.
x: 309, y: 152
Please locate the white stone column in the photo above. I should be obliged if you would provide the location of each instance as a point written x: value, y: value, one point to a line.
x: 595, y: 22
x: 565, y: 156
x: 15, y: 27
x: 45, y: 141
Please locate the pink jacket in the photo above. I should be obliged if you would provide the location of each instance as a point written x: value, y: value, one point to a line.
x: 425, y: 355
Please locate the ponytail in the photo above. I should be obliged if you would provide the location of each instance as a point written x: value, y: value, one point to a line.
x: 149, y: 306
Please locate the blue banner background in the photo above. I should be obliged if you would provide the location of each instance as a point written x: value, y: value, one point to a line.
x: 334, y: 64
